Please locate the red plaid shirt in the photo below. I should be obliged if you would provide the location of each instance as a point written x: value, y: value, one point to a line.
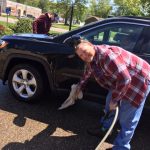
x: 120, y: 71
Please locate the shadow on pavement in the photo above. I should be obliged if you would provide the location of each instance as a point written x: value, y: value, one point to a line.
x: 43, y: 141
x: 75, y: 119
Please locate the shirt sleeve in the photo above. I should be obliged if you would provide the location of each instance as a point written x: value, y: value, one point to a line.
x: 84, y: 79
x: 116, y: 69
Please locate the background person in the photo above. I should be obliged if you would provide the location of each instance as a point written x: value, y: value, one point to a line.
x: 127, y: 79
x: 43, y: 23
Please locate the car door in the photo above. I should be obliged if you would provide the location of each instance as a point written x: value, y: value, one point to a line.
x: 68, y: 71
x: 70, y: 68
x: 3, y: 45
x: 143, y: 46
x: 143, y: 51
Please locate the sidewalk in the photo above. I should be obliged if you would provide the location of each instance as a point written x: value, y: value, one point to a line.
x: 10, y: 20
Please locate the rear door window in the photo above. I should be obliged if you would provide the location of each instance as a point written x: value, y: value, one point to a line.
x: 123, y: 35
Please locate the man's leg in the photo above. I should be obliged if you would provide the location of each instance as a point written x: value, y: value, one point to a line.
x: 101, y: 130
x: 129, y: 117
x: 107, y: 123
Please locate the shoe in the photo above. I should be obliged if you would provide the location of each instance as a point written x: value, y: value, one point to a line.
x: 97, y: 131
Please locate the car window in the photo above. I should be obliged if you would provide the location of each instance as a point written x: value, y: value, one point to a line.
x: 145, y: 48
x: 123, y: 35
x: 95, y: 37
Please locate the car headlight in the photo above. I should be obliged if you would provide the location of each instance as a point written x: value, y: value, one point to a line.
x: 3, y: 43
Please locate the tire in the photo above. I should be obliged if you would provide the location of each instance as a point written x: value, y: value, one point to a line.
x: 25, y: 83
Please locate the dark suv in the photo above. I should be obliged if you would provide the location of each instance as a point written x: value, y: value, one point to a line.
x: 33, y: 62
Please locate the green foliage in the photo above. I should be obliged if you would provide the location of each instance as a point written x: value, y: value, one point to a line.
x: 19, y: 1
x: 4, y: 30
x: 63, y: 7
x: 33, y: 3
x: 22, y: 26
x: 81, y: 7
x: 132, y: 7
x: 146, y: 7
x: 44, y: 5
x: 100, y: 8
x: 5, y: 23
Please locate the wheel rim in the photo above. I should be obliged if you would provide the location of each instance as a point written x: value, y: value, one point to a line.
x: 24, y: 83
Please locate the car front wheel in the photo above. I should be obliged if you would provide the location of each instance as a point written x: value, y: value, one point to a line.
x: 25, y: 82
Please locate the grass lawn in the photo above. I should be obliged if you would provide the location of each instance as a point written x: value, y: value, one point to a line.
x: 62, y: 26
x: 55, y: 32
x: 5, y: 23
x: 5, y: 15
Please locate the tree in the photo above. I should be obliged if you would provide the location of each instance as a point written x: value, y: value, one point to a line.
x: 33, y: 3
x: 146, y: 7
x: 100, y: 8
x: 63, y: 7
x: 131, y: 7
x: 80, y: 7
x: 44, y: 5
x: 80, y: 10
x: 19, y: 1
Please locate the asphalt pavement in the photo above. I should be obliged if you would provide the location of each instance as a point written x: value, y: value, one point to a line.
x: 41, y: 126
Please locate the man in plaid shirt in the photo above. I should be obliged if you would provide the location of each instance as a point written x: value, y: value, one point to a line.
x: 126, y: 76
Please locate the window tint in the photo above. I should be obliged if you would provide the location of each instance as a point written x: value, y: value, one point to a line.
x: 146, y: 41
x: 95, y: 37
x: 122, y: 35
x: 146, y: 47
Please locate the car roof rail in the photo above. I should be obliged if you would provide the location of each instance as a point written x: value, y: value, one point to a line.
x: 137, y: 17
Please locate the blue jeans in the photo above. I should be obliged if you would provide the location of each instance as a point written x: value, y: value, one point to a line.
x: 129, y: 117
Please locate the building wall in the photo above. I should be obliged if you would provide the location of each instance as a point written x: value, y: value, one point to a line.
x: 18, y: 9
x: 2, y: 5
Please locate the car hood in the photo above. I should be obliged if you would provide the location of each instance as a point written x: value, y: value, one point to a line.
x: 32, y: 35
x: 18, y: 36
x: 37, y: 43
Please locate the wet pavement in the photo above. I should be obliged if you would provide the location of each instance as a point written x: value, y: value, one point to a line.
x: 41, y: 126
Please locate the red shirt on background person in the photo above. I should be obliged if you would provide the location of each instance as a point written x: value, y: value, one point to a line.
x: 43, y: 23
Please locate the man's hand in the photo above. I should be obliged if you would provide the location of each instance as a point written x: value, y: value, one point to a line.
x: 78, y: 93
x: 75, y: 94
x: 112, y: 106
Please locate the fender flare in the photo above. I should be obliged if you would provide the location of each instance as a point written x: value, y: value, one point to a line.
x: 32, y: 57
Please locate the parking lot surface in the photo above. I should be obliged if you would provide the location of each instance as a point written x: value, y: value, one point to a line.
x: 41, y: 126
